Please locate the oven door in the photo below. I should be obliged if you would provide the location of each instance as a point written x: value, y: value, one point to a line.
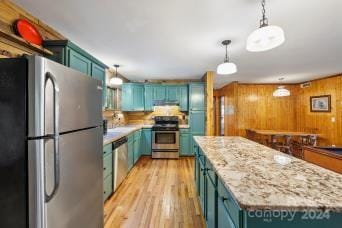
x: 165, y: 140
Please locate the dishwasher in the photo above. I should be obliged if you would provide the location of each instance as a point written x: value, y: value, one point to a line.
x: 120, y: 162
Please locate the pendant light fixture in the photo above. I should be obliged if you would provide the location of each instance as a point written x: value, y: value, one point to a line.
x: 116, y: 80
x: 266, y: 36
x: 226, y: 67
x: 281, y: 91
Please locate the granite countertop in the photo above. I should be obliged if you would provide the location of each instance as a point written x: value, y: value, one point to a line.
x: 119, y: 132
x: 249, y: 171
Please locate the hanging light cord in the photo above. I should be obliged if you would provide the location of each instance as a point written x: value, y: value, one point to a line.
x: 226, y: 59
x: 264, y: 20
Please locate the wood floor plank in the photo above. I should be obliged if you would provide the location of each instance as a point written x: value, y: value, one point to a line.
x: 156, y: 194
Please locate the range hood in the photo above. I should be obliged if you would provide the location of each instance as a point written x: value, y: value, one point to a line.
x: 165, y: 103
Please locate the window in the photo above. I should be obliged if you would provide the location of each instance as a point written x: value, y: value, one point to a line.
x: 222, y: 115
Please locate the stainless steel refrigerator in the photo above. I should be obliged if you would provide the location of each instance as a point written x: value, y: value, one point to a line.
x: 50, y: 146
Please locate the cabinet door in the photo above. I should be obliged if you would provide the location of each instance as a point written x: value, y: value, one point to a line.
x: 202, y: 187
x: 223, y: 217
x: 136, y: 150
x: 147, y: 142
x: 197, y: 95
x: 126, y: 98
x: 148, y: 98
x: 79, y: 62
x: 211, y: 202
x: 197, y: 122
x: 159, y: 92
x: 172, y: 93
x: 138, y: 98
x: 130, y: 152
x: 185, y: 149
x: 184, y: 99
x: 99, y: 73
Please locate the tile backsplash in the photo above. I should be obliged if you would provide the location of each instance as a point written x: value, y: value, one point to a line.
x: 148, y: 117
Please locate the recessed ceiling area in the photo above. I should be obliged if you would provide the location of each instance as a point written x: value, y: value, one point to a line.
x: 177, y: 39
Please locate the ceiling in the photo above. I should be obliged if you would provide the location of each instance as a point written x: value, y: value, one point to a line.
x: 177, y: 39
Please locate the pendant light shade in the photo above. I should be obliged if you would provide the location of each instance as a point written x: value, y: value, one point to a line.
x: 281, y: 91
x: 116, y: 80
x: 226, y: 67
x: 266, y: 37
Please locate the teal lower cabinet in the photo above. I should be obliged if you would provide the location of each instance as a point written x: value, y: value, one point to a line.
x: 221, y: 210
x: 185, y: 148
x: 146, y: 141
x: 107, y: 171
x: 136, y: 146
x: 130, y: 148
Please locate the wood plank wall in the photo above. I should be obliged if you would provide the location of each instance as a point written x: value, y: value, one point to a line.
x: 255, y: 107
x: 321, y: 122
x: 208, y: 78
x: 12, y: 45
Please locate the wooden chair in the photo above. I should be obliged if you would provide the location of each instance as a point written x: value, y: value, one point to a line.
x: 282, y: 143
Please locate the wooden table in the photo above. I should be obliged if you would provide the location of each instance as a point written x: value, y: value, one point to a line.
x: 288, y: 135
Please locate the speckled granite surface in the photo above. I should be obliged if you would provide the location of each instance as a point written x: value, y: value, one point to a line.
x: 257, y: 181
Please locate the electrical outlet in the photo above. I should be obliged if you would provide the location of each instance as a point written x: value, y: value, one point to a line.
x: 333, y: 119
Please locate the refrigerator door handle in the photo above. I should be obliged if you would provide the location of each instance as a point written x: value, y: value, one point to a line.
x: 55, y: 136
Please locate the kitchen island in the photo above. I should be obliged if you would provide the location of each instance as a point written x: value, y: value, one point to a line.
x: 241, y: 183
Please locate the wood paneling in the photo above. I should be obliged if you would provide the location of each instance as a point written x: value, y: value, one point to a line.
x: 209, y: 85
x: 13, y: 44
x: 321, y: 122
x: 229, y: 92
x: 156, y: 193
x: 256, y: 108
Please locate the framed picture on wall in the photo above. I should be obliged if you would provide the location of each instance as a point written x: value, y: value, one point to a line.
x: 320, y: 103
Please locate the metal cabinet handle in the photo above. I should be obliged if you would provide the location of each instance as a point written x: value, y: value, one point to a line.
x: 55, y: 136
x: 224, y: 199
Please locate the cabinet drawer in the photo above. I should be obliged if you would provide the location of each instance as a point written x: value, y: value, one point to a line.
x: 184, y: 130
x: 107, y: 149
x: 107, y: 187
x: 231, y: 205
x: 107, y: 165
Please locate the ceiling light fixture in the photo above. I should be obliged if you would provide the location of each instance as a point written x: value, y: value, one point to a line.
x: 226, y: 67
x: 116, y: 80
x: 266, y: 36
x: 281, y: 91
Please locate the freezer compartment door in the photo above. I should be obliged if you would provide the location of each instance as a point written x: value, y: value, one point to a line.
x: 78, y: 98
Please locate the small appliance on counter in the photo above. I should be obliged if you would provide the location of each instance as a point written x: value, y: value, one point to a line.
x: 165, y: 137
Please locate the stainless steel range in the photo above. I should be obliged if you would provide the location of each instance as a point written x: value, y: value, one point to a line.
x: 165, y: 137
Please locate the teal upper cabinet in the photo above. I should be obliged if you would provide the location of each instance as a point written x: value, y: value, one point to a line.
x: 149, y: 97
x: 159, y: 92
x: 70, y: 55
x: 127, y: 97
x: 172, y: 93
x: 78, y: 62
x: 99, y: 73
x: 197, y: 96
x: 138, y: 98
x: 184, y: 98
x: 133, y: 97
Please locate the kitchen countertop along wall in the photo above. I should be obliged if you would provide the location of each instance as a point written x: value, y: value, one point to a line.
x: 249, y: 171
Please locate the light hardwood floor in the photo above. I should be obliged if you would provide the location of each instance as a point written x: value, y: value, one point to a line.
x: 156, y: 193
